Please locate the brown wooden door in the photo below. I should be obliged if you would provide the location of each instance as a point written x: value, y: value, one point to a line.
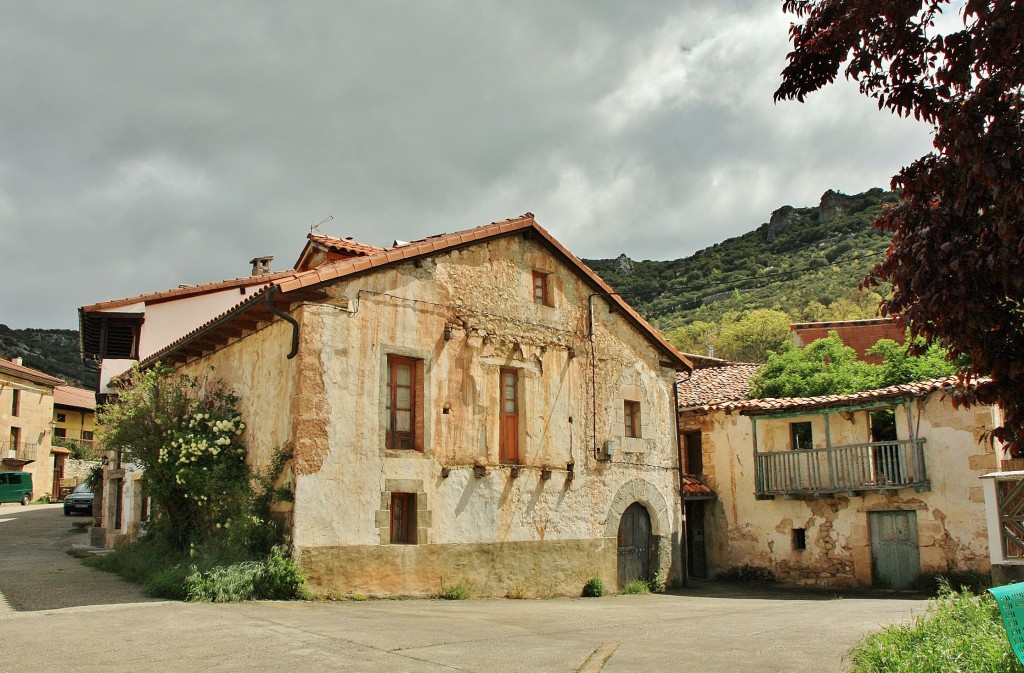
x: 634, y: 544
x: 509, y: 443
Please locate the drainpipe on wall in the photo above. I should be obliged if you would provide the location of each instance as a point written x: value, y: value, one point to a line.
x: 271, y: 293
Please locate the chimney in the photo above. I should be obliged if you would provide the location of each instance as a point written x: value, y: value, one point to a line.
x: 16, y: 360
x: 261, y: 265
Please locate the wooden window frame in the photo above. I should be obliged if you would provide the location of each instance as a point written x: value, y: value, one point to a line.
x: 508, y: 427
x: 60, y: 433
x: 799, y: 539
x: 403, y: 518
x: 631, y: 419
x: 411, y: 440
x: 541, y: 288
x: 15, y: 402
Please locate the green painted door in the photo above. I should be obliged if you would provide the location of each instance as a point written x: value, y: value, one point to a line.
x: 895, y: 557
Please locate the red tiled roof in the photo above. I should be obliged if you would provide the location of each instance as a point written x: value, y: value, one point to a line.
x: 78, y: 398
x: 384, y: 257
x: 695, y: 489
x: 187, y: 291
x: 345, y: 246
x: 20, y: 371
x: 845, y: 323
x: 769, y: 405
x: 708, y: 386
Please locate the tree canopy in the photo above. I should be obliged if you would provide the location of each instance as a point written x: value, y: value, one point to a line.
x: 829, y: 367
x: 956, y: 263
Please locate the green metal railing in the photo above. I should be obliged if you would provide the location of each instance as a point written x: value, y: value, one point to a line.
x: 853, y: 467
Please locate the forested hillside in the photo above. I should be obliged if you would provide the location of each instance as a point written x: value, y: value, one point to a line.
x: 53, y: 351
x: 740, y: 295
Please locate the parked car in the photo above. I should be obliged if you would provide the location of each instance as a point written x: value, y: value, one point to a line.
x: 79, y: 500
x: 16, y: 487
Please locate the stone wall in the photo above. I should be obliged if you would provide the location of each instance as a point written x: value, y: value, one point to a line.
x: 465, y: 315
x: 742, y: 530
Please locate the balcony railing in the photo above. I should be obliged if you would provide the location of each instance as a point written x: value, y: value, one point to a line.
x: 875, y: 466
x: 18, y: 450
x: 85, y: 447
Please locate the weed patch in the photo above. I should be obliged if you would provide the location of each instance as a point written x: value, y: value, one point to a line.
x: 454, y: 592
x: 959, y: 632
x: 594, y: 588
x: 636, y: 587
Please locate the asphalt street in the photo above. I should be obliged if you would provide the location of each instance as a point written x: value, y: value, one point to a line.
x: 62, y: 615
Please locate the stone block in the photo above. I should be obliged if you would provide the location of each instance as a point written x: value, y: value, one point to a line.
x: 382, y: 518
x: 982, y: 461
x: 976, y: 494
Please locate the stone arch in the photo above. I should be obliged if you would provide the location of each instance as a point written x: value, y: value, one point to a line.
x: 648, y: 495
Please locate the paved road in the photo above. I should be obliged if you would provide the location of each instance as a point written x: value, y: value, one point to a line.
x: 36, y: 573
x: 712, y: 630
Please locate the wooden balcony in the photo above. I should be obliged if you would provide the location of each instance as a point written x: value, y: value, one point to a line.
x: 875, y: 466
x: 18, y: 452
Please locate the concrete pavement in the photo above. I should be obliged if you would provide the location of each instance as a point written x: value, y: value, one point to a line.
x: 712, y: 629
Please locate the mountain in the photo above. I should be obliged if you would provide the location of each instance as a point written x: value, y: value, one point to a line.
x: 805, y: 263
x: 52, y: 351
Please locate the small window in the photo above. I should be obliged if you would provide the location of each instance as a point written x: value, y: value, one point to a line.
x: 541, y: 289
x: 631, y: 414
x: 61, y: 418
x: 800, y: 436
x: 401, y: 403
x: 694, y: 454
x: 403, y: 518
x: 60, y: 432
x: 87, y: 435
x: 16, y: 402
x: 799, y: 539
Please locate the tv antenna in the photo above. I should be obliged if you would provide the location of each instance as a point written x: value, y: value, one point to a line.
x: 316, y: 227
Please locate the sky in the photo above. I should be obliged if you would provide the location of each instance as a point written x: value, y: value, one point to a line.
x: 148, y: 144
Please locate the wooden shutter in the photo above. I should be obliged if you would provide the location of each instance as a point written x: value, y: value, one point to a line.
x: 509, y: 446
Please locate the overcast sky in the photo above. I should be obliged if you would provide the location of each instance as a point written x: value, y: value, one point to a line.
x: 144, y: 145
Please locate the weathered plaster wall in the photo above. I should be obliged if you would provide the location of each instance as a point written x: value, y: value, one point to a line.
x: 483, y: 296
x: 524, y: 530
x: 950, y: 517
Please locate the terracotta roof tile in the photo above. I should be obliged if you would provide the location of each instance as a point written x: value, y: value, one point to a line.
x: 346, y: 267
x: 707, y: 386
x: 79, y: 398
x: 845, y: 323
x: 187, y: 291
x: 21, y: 371
x: 344, y: 246
x: 695, y: 489
x: 768, y: 405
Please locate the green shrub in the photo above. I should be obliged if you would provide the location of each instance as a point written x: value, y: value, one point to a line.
x: 454, y: 592
x: 636, y: 587
x: 44, y: 499
x: 959, y: 632
x: 594, y: 588
x: 657, y: 584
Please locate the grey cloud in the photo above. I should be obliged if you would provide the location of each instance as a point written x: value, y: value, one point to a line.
x: 147, y: 145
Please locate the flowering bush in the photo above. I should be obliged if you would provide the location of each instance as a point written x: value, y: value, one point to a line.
x: 211, y: 536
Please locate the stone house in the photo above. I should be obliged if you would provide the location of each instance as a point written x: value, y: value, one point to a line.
x: 26, y: 414
x: 871, y: 488
x: 475, y: 408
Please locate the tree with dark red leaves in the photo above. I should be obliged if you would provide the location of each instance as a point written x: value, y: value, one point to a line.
x: 956, y: 263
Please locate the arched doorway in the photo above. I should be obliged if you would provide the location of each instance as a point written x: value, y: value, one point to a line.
x: 634, y: 544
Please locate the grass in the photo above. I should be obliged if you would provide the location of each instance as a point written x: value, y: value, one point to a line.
x: 168, y: 573
x: 636, y: 587
x: 960, y: 632
x: 454, y: 592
